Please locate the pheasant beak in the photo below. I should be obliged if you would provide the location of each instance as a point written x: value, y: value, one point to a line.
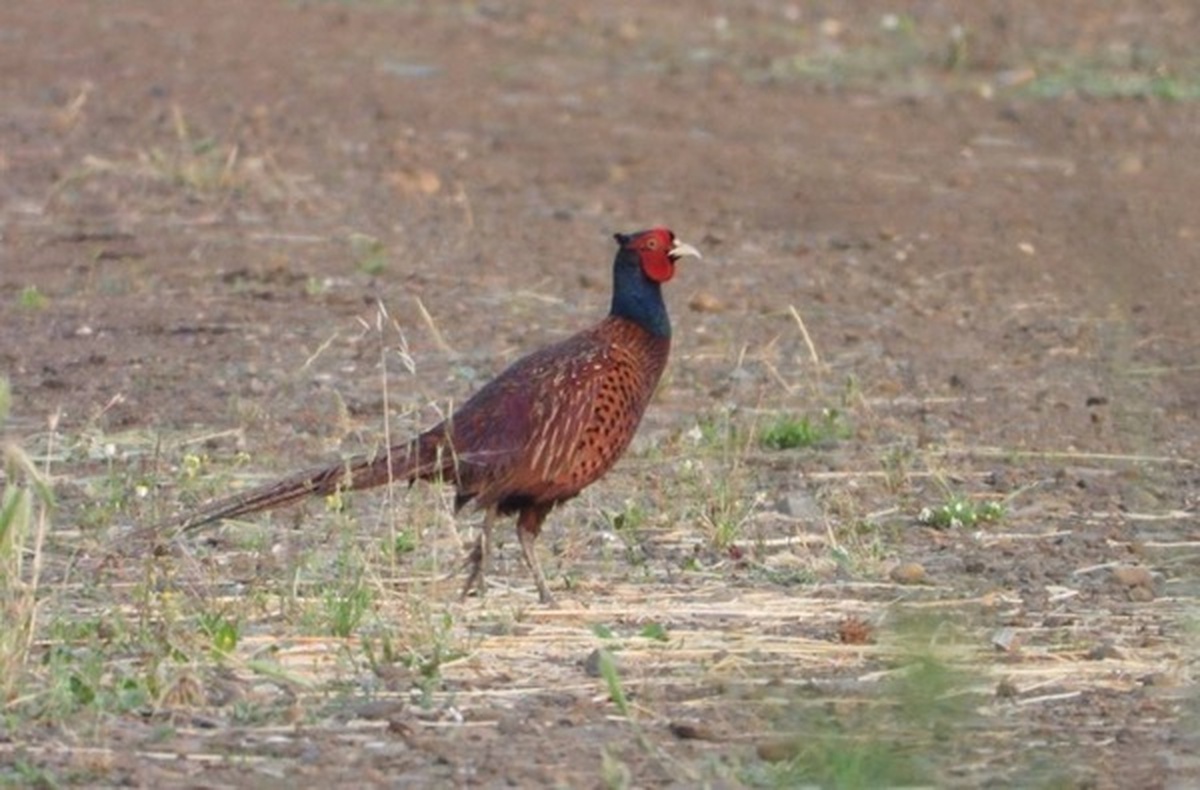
x: 680, y: 249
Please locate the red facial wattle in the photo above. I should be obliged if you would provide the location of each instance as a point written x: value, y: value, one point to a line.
x: 657, y: 265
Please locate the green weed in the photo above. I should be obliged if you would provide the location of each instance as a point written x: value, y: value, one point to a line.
x: 612, y: 680
x: 222, y: 631
x: 404, y: 542
x: 790, y: 432
x: 1100, y: 80
x: 370, y: 254
x: 627, y: 524
x: 959, y: 512
x: 30, y: 298
x: 900, y: 738
x: 727, y: 511
x: 725, y: 500
x: 345, y: 607
x: 430, y: 642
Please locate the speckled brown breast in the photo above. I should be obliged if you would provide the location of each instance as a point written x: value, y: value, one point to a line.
x: 557, y: 420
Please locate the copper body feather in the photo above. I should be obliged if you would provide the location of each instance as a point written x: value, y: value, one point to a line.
x: 539, y: 433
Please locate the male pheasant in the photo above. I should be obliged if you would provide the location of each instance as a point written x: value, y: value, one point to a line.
x: 539, y: 433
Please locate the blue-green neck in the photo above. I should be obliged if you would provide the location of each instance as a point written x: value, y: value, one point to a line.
x: 637, y: 297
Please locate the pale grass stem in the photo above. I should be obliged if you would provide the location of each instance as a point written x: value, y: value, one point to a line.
x: 438, y: 338
x: 20, y: 596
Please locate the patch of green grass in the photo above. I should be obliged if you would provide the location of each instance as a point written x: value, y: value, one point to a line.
x: 789, y: 432
x: 959, y: 512
x: 429, y: 642
x: 346, y: 606
x: 654, y: 630
x: 727, y: 511
x: 23, y: 773
x: 93, y: 676
x: 724, y: 499
x: 603, y: 631
x: 906, y: 736
x: 223, y: 632
x: 627, y: 525
x: 859, y: 543
x: 831, y: 758
x: 1105, y: 80
x: 370, y: 254
x: 914, y: 54
x: 30, y: 298
x: 404, y: 542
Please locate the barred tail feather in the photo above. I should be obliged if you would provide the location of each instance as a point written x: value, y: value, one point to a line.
x: 419, y: 460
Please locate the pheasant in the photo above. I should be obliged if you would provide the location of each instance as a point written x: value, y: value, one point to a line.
x: 551, y: 424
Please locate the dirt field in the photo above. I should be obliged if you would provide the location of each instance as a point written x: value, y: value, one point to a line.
x: 950, y: 246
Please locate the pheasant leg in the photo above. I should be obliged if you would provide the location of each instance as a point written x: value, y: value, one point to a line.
x: 529, y: 524
x: 481, y: 556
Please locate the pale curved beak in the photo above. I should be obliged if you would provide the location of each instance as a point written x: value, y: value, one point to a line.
x: 680, y: 249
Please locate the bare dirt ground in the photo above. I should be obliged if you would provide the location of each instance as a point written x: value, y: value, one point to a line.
x: 968, y: 228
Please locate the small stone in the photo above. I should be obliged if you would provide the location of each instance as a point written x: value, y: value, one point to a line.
x: 591, y: 664
x: 1006, y: 689
x: 1102, y: 651
x: 909, y: 573
x: 692, y: 731
x: 1133, y: 576
x: 855, y: 631
x: 1141, y: 594
x: 1006, y: 639
x: 779, y: 750
x: 1130, y: 165
x: 800, y: 504
x: 704, y: 302
x: 415, y: 181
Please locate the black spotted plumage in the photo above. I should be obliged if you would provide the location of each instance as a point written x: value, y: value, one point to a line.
x: 551, y: 424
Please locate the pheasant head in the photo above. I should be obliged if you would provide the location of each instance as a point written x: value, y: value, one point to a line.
x: 644, y: 262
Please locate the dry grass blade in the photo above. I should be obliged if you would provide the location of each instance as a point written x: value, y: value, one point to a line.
x: 438, y: 338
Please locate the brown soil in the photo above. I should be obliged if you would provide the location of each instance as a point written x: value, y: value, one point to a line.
x: 214, y: 198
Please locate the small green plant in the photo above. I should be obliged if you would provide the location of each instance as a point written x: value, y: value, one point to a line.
x: 1101, y: 80
x: 603, y: 631
x: 612, y: 679
x: 405, y: 542
x: 727, y: 511
x: 627, y: 524
x: 223, y: 633
x: 370, y: 254
x: 790, y: 432
x: 717, y: 431
x: 346, y: 607
x: 315, y: 286
x: 958, y: 512
x: 429, y: 644
x: 23, y: 773
x: 31, y: 298
x: 656, y: 631
x: 905, y: 736
x: 629, y: 519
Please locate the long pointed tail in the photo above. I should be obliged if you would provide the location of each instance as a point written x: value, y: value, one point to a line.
x: 420, y: 459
